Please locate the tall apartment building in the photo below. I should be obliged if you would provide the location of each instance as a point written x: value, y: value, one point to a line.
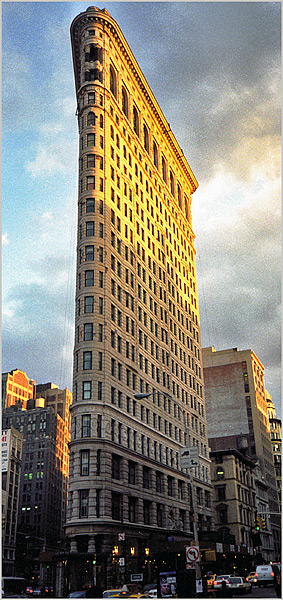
x: 43, y: 482
x: 11, y: 462
x: 137, y: 321
x: 276, y: 442
x: 234, y: 389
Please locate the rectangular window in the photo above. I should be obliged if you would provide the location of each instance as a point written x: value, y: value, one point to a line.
x: 159, y: 510
x: 90, y: 205
x: 146, y: 478
x: 90, y: 161
x: 89, y: 278
x: 132, y: 509
x: 84, y: 499
x: 116, y: 506
x: 132, y: 472
x: 86, y: 426
x: 87, y: 360
x: 116, y: 466
x: 86, y: 390
x: 88, y: 331
x: 84, y: 462
x: 89, y: 229
x: 90, y: 139
x: 88, y: 304
x: 90, y: 182
x: 146, y: 511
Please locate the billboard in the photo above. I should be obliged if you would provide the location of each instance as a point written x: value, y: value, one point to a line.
x: 168, y: 584
x: 5, y: 450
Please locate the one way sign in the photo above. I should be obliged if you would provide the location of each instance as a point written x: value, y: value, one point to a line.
x: 189, y: 457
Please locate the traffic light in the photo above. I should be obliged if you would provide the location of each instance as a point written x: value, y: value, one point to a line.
x: 257, y: 524
x: 263, y: 523
x: 3, y: 521
x: 256, y: 539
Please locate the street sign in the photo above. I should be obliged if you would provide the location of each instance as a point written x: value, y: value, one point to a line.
x: 136, y: 577
x: 121, y: 537
x: 189, y: 457
x: 192, y: 554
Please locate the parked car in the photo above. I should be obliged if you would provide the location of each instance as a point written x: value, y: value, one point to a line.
x: 264, y: 575
x: 251, y: 578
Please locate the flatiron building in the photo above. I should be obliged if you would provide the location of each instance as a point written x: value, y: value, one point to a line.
x: 138, y: 395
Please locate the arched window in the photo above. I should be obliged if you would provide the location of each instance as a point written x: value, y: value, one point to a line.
x: 136, y: 121
x: 113, y: 82
x: 91, y: 118
x: 125, y: 104
x: 172, y: 185
x: 164, y: 173
x: 145, y: 138
x: 155, y: 154
x: 220, y: 473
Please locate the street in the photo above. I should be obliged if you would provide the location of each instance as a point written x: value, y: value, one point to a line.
x: 258, y: 592
x: 262, y: 592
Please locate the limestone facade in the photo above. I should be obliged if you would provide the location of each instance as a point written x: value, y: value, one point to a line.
x: 137, y: 317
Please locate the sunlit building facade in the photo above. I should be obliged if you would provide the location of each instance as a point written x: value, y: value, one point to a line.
x: 137, y: 322
x: 17, y: 389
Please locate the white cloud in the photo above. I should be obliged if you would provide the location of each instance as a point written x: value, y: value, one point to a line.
x: 5, y: 239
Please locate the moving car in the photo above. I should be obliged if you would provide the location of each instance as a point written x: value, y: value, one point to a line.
x: 210, y: 580
x: 264, y: 575
x: 237, y: 585
x: 116, y: 593
x: 79, y: 594
x: 251, y: 578
x: 218, y: 583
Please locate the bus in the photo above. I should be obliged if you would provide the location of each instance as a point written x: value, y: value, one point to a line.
x: 14, y: 587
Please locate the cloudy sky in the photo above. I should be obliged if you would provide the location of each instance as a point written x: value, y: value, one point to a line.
x: 214, y: 68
